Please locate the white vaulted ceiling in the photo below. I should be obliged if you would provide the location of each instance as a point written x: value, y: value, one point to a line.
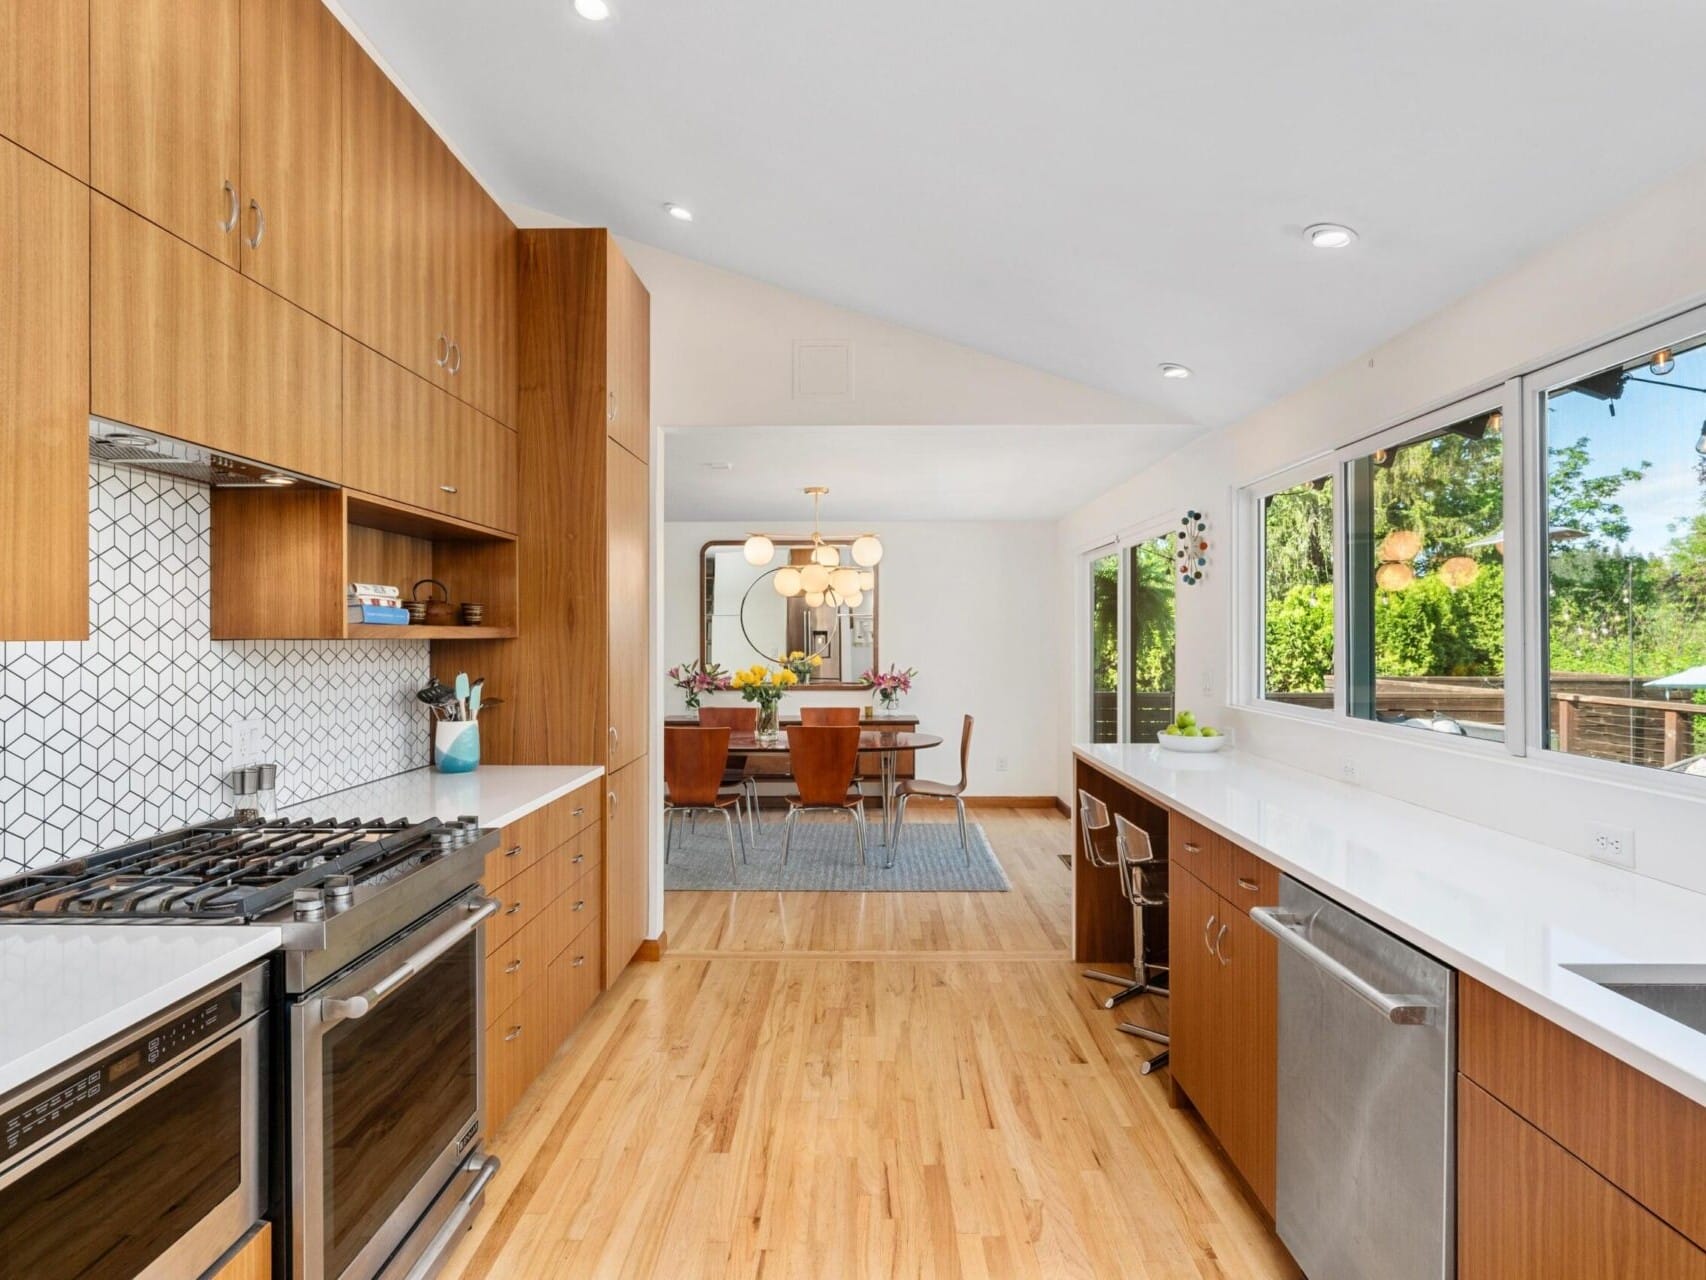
x: 1089, y: 187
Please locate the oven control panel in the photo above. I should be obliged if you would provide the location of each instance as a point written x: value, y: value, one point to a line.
x: 69, y: 1100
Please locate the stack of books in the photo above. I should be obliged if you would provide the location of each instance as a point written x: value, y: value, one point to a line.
x: 371, y: 603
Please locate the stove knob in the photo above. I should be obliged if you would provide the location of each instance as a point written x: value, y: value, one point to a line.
x: 309, y: 904
x: 340, y: 890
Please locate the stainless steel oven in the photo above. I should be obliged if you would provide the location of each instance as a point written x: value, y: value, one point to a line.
x: 144, y: 1157
x: 386, y: 1071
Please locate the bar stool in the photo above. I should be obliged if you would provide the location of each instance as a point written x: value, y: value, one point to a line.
x: 1096, y: 829
x: 1143, y: 879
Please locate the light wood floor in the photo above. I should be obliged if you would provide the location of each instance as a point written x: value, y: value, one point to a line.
x: 845, y: 1085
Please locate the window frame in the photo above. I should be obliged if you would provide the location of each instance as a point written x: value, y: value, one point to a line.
x: 1151, y: 530
x: 1536, y: 384
x: 1249, y: 612
x: 1507, y: 399
x: 1119, y: 546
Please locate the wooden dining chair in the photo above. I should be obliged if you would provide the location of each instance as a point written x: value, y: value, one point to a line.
x: 956, y: 791
x: 829, y: 715
x: 694, y: 760
x: 825, y: 758
x: 739, y: 720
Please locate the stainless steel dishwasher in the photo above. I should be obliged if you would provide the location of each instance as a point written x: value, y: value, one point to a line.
x: 1367, y: 1100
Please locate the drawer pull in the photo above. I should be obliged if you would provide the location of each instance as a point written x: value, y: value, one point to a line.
x: 448, y: 488
x: 512, y: 908
x: 512, y: 966
x: 578, y: 859
x: 579, y: 904
x: 577, y: 962
x: 579, y: 811
x: 1244, y: 882
x: 513, y: 1033
x: 510, y: 853
x: 1191, y: 846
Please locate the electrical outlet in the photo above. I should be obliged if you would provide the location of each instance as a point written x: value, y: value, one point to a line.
x: 1348, y: 771
x: 1207, y: 684
x: 245, y: 741
x: 1615, y: 845
x: 1001, y: 764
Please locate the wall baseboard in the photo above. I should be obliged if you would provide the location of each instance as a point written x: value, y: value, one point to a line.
x: 1011, y: 802
x: 653, y: 948
x: 1064, y: 808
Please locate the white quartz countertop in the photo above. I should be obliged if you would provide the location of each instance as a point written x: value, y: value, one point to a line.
x: 1508, y: 912
x: 497, y: 793
x: 65, y: 988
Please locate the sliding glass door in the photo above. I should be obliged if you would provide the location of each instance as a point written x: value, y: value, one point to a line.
x: 1130, y: 636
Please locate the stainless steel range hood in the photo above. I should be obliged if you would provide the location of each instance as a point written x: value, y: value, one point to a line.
x: 121, y: 446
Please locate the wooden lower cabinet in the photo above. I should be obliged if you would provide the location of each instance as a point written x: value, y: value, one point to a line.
x: 1529, y: 1210
x: 626, y: 871
x: 1224, y: 1006
x: 252, y: 1259
x: 544, y: 946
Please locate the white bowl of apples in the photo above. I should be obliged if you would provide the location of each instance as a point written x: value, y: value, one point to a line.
x: 1185, y: 734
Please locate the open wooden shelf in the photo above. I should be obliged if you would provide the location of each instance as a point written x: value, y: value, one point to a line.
x: 283, y: 560
x: 377, y: 631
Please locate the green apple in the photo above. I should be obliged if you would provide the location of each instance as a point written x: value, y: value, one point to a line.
x: 1192, y: 732
x: 1210, y: 733
x: 1186, y: 719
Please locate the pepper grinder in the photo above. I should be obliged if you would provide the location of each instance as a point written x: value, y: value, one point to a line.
x: 266, y: 793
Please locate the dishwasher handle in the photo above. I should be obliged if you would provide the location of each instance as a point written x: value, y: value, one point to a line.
x: 1288, y: 926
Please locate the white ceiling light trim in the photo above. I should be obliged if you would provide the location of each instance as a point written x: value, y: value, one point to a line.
x: 681, y: 213
x: 1330, y: 235
x: 1171, y: 370
x: 592, y: 10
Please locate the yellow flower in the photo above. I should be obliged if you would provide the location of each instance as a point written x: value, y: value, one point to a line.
x: 817, y: 659
x: 797, y: 653
x: 739, y: 681
x: 786, y: 678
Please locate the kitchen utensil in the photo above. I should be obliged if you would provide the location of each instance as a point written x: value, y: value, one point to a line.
x: 474, y: 699
x: 462, y: 695
x: 439, y: 613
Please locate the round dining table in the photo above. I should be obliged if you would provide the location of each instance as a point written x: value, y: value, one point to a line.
x: 887, y: 744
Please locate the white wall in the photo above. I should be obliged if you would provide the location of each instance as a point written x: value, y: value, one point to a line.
x: 958, y: 602
x: 1646, y: 260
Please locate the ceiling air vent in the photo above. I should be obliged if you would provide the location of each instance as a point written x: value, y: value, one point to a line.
x: 823, y: 370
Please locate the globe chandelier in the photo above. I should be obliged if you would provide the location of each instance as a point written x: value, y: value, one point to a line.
x: 822, y: 579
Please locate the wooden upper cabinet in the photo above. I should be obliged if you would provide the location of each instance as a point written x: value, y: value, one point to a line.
x: 628, y: 393
x: 291, y: 112
x: 628, y: 549
x: 392, y: 206
x: 44, y: 401
x: 184, y: 347
x: 44, y: 80
x: 163, y: 130
x: 483, y: 301
x: 406, y: 440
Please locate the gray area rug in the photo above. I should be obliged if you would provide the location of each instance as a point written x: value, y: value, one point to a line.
x: 824, y: 857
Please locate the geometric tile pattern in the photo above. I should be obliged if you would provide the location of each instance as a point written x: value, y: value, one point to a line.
x: 125, y: 734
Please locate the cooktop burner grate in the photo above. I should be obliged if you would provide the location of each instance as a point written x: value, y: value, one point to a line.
x: 216, y: 870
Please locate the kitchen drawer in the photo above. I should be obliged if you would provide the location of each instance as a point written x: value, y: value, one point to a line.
x: 573, y: 981
x: 509, y: 969
x: 1204, y: 854
x: 524, y: 898
x: 1646, y: 1138
x: 533, y: 835
x: 1250, y: 882
x: 517, y: 1045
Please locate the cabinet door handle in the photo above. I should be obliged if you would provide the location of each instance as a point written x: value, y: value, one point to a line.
x: 1221, y: 955
x: 453, y: 359
x: 610, y: 407
x: 444, y: 347
x: 611, y: 796
x: 510, y: 853
x: 449, y: 488
x: 260, y: 223
x: 615, y: 740
x: 1206, y: 930
x: 1244, y: 882
x: 512, y: 908
x: 513, y: 1033
x: 231, y: 209
x: 512, y: 966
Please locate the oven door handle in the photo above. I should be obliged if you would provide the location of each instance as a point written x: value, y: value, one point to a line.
x: 334, y: 1010
x: 485, y: 1168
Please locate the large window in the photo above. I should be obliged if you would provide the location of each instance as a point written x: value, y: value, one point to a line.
x: 1425, y: 581
x: 1297, y: 594
x: 1131, y: 620
x: 1625, y: 561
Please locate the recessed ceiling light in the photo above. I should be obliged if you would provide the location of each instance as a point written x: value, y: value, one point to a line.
x: 1174, y: 371
x: 592, y: 10
x: 679, y: 212
x: 273, y: 477
x: 1329, y: 235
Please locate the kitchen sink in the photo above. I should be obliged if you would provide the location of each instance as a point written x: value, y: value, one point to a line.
x: 1676, y: 990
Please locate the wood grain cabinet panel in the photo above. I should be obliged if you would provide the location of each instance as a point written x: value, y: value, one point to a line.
x: 163, y: 129
x: 625, y: 866
x: 44, y: 400
x: 482, y: 303
x: 1250, y: 970
x: 628, y: 547
x: 252, y: 1261
x: 1199, y: 851
x: 1529, y: 1210
x: 44, y: 80
x: 628, y: 358
x: 292, y: 131
x: 1643, y: 1136
x: 1193, y: 914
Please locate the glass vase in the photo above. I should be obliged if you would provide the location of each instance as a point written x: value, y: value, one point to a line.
x: 769, y: 722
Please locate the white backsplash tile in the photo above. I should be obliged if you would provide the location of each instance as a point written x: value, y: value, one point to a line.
x: 124, y: 734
